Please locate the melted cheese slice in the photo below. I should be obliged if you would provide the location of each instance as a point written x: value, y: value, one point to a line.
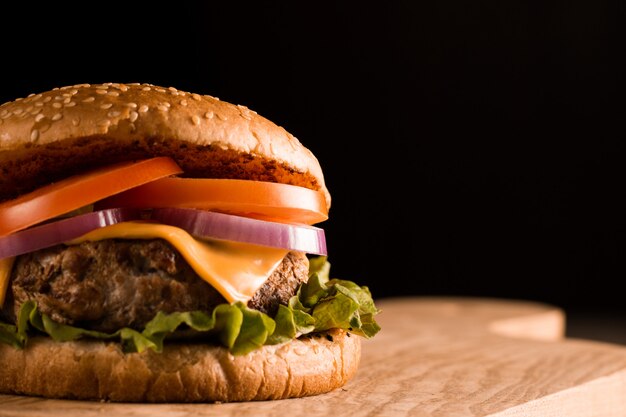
x: 6, y: 265
x: 236, y: 270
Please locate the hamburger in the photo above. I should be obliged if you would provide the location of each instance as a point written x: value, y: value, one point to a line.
x: 158, y: 246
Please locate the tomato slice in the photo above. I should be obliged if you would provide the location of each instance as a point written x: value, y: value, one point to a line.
x: 80, y: 190
x: 257, y: 199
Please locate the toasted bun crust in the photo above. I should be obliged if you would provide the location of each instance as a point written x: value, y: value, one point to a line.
x: 93, y: 370
x: 51, y: 135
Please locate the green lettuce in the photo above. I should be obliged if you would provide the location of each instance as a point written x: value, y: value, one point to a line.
x: 320, y: 304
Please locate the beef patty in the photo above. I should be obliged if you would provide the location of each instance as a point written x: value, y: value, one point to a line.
x: 110, y: 284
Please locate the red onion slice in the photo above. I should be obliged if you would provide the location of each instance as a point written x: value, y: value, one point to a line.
x: 50, y: 234
x: 207, y: 224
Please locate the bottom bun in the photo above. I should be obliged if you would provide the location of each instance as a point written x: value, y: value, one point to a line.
x: 92, y: 370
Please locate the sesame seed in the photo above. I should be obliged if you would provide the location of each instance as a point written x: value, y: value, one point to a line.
x: 76, y: 121
x: 143, y: 109
x: 58, y: 98
x: 196, y: 97
x: 113, y: 93
x: 208, y: 115
x: 132, y: 127
x: 183, y: 102
x: 4, y: 112
x: 89, y: 99
x: 31, y: 95
x: 57, y: 105
x: 66, y: 95
x: 18, y: 111
x: 37, y: 97
x: 172, y: 89
x: 67, y: 100
x: 162, y: 107
x: 70, y: 104
x: 47, y: 99
x: 114, y: 113
x: 146, y: 88
x: 102, y: 87
x: 160, y: 90
x: 74, y: 92
x: 57, y: 116
x: 133, y: 116
x: 101, y: 91
x: 39, y: 104
x: 104, y: 123
x: 65, y: 87
x: 195, y: 119
x: 34, y: 135
x: 39, y: 117
x: 245, y: 112
x: 132, y: 105
x: 123, y: 88
x: 221, y: 117
x: 106, y: 106
x: 36, y: 111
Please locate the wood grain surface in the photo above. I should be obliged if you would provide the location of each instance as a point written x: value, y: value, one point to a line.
x: 434, y: 357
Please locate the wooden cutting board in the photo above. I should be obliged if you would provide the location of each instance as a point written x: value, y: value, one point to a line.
x: 434, y: 357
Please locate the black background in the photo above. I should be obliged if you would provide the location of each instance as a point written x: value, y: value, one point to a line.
x: 471, y: 148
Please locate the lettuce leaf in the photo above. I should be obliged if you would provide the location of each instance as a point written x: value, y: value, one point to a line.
x: 290, y: 324
x: 9, y: 336
x: 320, y: 304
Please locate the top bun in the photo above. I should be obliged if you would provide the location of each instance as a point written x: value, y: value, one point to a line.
x: 49, y: 136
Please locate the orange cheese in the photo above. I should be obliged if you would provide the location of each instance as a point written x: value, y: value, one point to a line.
x: 236, y: 270
x: 5, y: 274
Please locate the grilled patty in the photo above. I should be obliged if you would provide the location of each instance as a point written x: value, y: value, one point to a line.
x: 110, y: 284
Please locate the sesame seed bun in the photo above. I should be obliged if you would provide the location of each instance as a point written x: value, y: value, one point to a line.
x: 51, y: 135
x: 90, y: 370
